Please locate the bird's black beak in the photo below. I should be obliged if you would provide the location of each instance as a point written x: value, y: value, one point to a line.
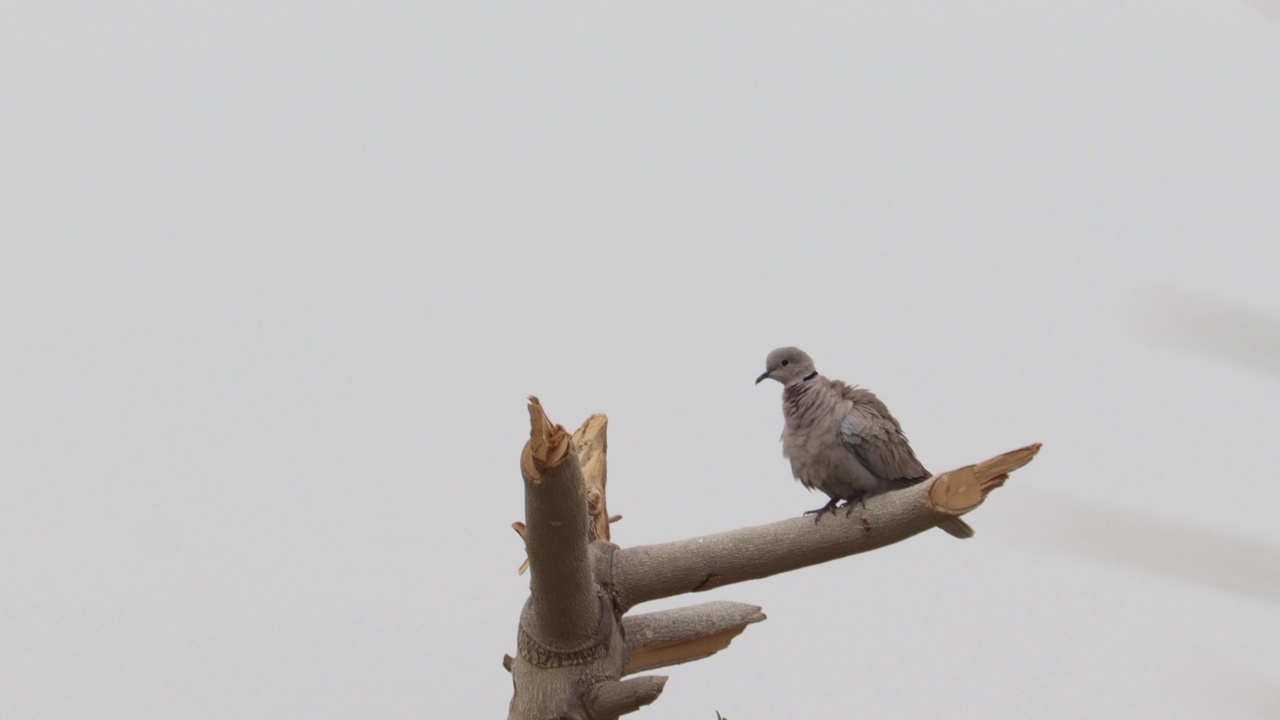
x: 763, y: 375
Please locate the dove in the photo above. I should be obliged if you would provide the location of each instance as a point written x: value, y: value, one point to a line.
x: 841, y: 439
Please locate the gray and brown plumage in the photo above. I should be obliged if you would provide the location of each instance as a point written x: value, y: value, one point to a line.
x: 842, y: 439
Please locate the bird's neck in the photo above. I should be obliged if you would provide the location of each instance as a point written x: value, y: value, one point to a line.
x: 799, y: 398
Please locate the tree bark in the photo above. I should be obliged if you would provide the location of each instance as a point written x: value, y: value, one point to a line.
x: 570, y: 645
x: 555, y: 500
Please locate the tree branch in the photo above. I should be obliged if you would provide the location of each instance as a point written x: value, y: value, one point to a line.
x: 573, y: 641
x: 563, y: 601
x: 671, y: 637
x: 612, y: 698
x: 649, y: 572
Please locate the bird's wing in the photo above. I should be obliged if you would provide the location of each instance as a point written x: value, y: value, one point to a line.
x: 874, y: 436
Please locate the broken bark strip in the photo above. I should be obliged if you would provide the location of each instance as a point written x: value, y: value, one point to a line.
x: 592, y: 444
x: 649, y: 572
x: 671, y: 637
x: 562, y: 590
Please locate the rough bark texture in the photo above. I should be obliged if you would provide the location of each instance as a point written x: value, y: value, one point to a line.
x: 574, y: 645
x: 613, y: 698
x: 570, y: 646
x: 556, y: 540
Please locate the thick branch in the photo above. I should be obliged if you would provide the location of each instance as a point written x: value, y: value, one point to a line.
x: 565, y: 609
x: 551, y: 683
x: 612, y: 698
x: 649, y: 572
x: 671, y: 637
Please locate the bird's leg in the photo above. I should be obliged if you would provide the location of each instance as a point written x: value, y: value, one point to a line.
x: 860, y: 499
x: 828, y: 508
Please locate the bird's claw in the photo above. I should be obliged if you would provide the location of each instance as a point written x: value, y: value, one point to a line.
x: 828, y: 508
x: 850, y: 504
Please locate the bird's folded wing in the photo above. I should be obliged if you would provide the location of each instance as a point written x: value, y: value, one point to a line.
x: 876, y: 440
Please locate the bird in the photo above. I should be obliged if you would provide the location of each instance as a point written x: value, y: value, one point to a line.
x: 842, y: 439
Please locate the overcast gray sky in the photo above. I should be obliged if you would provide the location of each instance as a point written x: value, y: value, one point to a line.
x: 276, y: 280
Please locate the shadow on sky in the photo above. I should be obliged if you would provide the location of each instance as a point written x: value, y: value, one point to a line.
x: 1150, y: 543
x: 1210, y: 327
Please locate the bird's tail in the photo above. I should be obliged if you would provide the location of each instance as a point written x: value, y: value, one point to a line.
x: 957, y: 528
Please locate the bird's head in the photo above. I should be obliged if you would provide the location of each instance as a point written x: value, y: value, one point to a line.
x: 787, y: 365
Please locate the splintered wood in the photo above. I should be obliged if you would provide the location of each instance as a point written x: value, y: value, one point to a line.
x: 591, y: 443
x: 548, y: 443
x: 965, y: 488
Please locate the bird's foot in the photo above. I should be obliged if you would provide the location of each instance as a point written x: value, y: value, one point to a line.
x: 851, y: 503
x: 828, y: 508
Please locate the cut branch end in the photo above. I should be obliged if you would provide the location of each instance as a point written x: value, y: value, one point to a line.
x: 548, y: 443
x: 1007, y: 462
x: 961, y: 490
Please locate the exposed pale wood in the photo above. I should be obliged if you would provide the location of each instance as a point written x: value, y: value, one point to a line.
x: 548, y: 443
x: 1005, y: 463
x: 519, y: 528
x: 671, y: 637
x: 964, y: 489
x: 591, y: 442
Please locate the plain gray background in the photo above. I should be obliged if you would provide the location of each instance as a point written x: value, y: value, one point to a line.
x: 276, y: 279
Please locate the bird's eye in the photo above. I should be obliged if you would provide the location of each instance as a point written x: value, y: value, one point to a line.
x: 786, y: 363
